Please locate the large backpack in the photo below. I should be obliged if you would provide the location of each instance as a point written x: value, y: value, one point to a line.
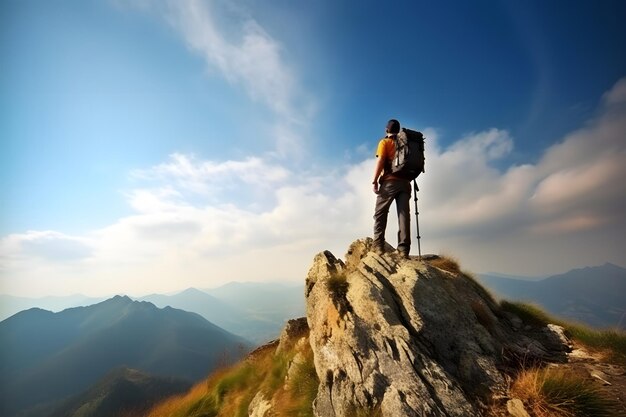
x: 408, y: 161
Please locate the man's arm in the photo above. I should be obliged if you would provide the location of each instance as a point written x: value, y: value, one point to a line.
x: 380, y: 163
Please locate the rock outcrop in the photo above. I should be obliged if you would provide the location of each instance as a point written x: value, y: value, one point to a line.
x: 293, y: 345
x: 398, y: 337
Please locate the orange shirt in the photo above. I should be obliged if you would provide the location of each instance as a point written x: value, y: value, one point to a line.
x: 387, y: 150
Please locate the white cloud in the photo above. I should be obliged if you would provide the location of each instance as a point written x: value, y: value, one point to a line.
x: 203, y: 177
x: 617, y: 94
x: 564, y: 211
x: 45, y: 245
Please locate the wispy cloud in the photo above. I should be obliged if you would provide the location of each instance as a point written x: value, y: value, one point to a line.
x: 238, y: 48
x: 247, y: 55
x: 617, y: 95
x: 567, y: 209
x: 45, y: 245
x: 187, y: 172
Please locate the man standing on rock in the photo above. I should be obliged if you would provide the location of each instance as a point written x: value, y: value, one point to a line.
x: 389, y: 188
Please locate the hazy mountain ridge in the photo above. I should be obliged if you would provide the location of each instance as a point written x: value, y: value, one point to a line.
x: 48, y: 356
x: 593, y: 295
x: 122, y: 391
x: 10, y: 305
x: 255, y: 311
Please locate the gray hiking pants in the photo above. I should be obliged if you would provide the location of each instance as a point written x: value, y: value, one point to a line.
x: 400, y: 191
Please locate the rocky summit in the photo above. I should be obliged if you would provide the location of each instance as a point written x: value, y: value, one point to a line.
x: 410, y: 337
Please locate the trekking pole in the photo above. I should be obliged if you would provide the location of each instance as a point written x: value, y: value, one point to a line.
x: 417, y: 223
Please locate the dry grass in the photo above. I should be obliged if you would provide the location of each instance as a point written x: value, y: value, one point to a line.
x: 295, y: 399
x: 529, y: 313
x: 228, y: 392
x: 559, y: 393
x: 611, y: 343
x: 447, y: 263
x: 223, y: 394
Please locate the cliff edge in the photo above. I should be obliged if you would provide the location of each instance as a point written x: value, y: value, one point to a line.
x: 398, y: 337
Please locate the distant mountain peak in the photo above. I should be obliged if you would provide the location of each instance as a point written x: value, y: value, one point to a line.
x: 121, y: 298
x: 606, y: 266
x: 84, y: 343
x: 192, y: 291
x: 612, y: 266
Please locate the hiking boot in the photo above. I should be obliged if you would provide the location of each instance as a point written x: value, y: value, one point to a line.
x: 403, y: 254
x: 378, y: 250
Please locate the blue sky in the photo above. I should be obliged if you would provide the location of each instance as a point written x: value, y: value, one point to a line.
x: 155, y: 145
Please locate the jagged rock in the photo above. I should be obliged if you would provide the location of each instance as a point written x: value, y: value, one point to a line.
x: 541, y: 344
x: 294, y: 330
x: 515, y: 407
x: 556, y: 340
x: 259, y: 406
x: 404, y: 337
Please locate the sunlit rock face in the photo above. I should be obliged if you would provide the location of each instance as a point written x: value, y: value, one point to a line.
x: 402, y: 337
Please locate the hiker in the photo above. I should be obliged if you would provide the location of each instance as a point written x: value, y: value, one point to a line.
x: 389, y: 187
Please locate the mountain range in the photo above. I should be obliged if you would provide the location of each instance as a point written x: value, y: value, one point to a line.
x: 46, y: 357
x: 10, y: 305
x: 592, y: 295
x: 121, y: 392
x: 255, y: 311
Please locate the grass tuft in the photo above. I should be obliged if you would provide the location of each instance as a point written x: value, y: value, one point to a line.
x: 559, y: 393
x: 297, y: 399
x: 447, y: 263
x: 235, y: 381
x: 276, y: 376
x: 338, y: 285
x: 529, y: 313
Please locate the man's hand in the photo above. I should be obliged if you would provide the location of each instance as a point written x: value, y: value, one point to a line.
x: 375, y: 187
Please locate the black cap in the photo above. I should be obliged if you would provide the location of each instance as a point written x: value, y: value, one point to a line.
x: 393, y: 126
